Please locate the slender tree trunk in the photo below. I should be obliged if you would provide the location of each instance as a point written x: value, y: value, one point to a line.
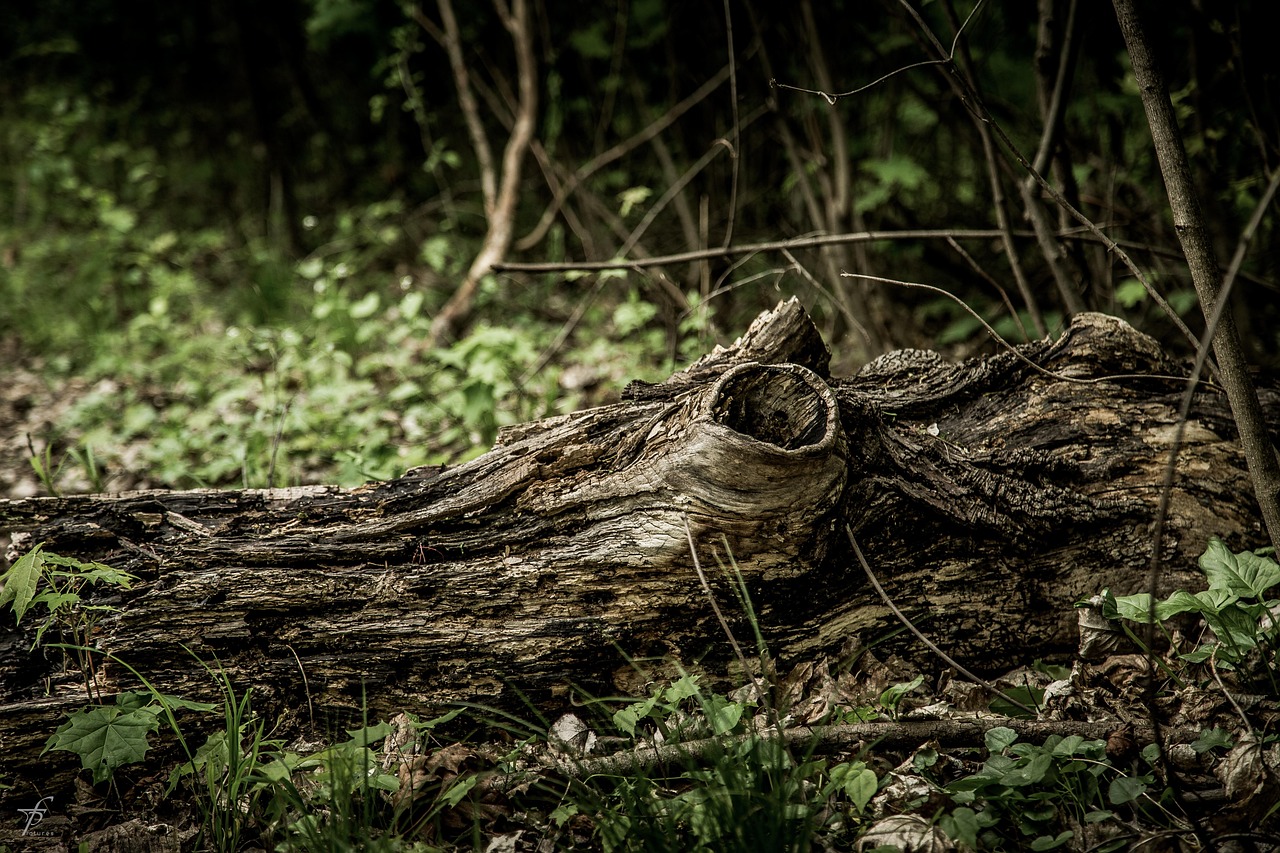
x: 1206, y: 275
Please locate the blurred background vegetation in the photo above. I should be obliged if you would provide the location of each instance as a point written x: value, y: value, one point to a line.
x: 226, y: 227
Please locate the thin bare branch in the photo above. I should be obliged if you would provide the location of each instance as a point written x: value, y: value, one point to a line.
x: 1004, y: 344
x: 452, y: 41
x: 749, y: 248
x: 618, y: 151
x: 832, y: 97
x: 893, y: 608
x: 501, y: 213
x: 735, y: 150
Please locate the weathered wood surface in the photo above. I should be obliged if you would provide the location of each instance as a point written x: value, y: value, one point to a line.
x: 989, y: 495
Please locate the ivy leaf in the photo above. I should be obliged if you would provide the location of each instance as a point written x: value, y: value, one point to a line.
x: 18, y: 585
x: 105, y: 738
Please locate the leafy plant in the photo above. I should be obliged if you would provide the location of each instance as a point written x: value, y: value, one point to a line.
x: 1236, y: 610
x: 734, y: 789
x: 107, y: 737
x: 59, y: 584
x: 1042, y: 797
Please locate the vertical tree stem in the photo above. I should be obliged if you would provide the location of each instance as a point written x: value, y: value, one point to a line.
x: 1193, y: 233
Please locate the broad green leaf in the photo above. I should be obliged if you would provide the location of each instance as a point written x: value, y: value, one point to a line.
x: 1180, y: 602
x: 366, y: 306
x: 1129, y: 292
x: 563, y: 812
x: 1243, y: 574
x: 1135, y: 608
x: 860, y: 786
x: 686, y: 687
x: 1030, y: 773
x: 962, y: 825
x: 999, y: 739
x: 1215, y: 600
x: 369, y: 734
x: 891, y: 697
x: 722, y: 714
x: 105, y: 738
x: 54, y: 601
x: 1236, y: 630
x: 1211, y: 739
x: 627, y: 718
x: 18, y: 585
x: 1125, y: 789
x: 1068, y: 746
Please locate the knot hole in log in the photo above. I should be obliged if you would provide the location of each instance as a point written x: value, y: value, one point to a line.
x: 778, y: 405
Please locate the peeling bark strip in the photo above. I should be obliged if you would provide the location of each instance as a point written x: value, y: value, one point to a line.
x: 987, y: 495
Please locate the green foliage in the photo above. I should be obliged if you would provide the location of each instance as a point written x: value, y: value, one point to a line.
x: 107, y: 737
x: 1036, y: 797
x: 60, y: 584
x: 742, y: 791
x: 892, y: 697
x: 1235, y: 607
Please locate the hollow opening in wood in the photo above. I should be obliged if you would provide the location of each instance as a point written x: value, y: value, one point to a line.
x: 775, y: 405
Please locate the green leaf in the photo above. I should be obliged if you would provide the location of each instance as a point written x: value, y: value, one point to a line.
x: 56, y: 600
x: 1068, y: 746
x: 722, y: 714
x: 999, y: 739
x: 18, y: 585
x: 1135, y: 608
x: 860, y: 786
x: 1031, y: 773
x: 369, y: 735
x: 459, y: 789
x: 1245, y: 574
x: 105, y: 738
x: 1049, y: 842
x: 683, y: 689
x: 632, y: 198
x: 591, y: 42
x: 1125, y: 789
x: 1129, y: 292
x: 365, y: 307
x: 1179, y: 602
x: 428, y: 725
x: 563, y: 812
x: 962, y: 825
x: 1214, y: 738
x: 627, y: 718
x: 891, y: 697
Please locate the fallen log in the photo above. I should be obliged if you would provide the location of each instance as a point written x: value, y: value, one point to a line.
x: 989, y: 495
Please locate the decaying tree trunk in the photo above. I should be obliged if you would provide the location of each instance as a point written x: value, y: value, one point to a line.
x: 988, y: 495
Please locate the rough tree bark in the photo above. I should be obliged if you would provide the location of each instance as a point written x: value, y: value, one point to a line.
x: 989, y: 496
